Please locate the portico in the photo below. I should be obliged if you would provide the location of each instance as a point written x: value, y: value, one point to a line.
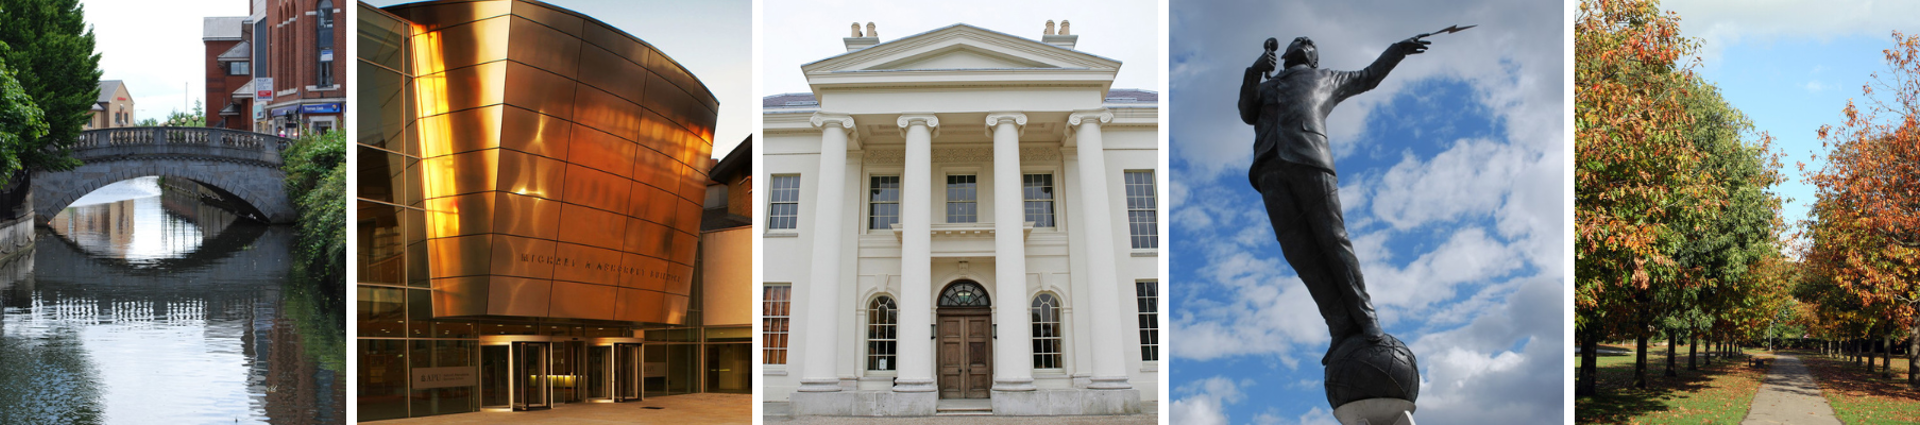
x: 952, y: 231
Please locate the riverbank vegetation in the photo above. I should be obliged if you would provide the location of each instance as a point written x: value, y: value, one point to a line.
x: 316, y: 167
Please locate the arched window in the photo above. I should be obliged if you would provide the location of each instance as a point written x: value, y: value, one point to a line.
x: 965, y: 293
x: 1046, y: 331
x: 883, y: 316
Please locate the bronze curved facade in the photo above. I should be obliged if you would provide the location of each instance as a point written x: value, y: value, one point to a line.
x: 561, y: 164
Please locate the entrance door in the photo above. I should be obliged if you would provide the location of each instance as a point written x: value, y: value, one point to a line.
x: 627, y: 366
x: 966, y: 352
x: 531, y: 366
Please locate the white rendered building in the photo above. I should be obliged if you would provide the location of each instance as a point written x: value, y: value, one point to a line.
x: 961, y: 214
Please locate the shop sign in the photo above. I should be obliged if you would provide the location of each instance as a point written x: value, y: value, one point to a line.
x: 320, y: 108
x: 263, y: 89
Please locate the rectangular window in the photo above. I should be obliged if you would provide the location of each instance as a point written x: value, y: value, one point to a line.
x: 883, y: 319
x: 963, y: 193
x: 783, y: 211
x: 883, y: 202
x: 773, y: 323
x: 237, y: 68
x: 1045, y: 314
x: 1037, y: 189
x: 1147, y: 294
x: 1142, y: 220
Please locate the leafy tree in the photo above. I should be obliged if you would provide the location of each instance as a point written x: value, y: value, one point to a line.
x: 1866, y: 230
x: 317, y: 182
x: 196, y: 118
x: 50, y: 49
x: 20, y: 124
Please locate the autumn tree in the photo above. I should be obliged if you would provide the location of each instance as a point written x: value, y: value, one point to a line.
x: 1866, y: 231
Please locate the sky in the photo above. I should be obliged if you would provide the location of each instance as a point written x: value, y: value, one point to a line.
x: 1453, y: 184
x: 797, y: 33
x: 711, y: 38
x: 1791, y: 67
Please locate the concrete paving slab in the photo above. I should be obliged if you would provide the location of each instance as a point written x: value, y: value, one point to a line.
x: 1790, y: 396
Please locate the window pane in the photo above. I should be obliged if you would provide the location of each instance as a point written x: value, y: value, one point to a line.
x: 1142, y: 219
x: 773, y: 324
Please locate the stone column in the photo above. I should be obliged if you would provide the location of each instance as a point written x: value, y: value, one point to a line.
x: 1013, y: 355
x: 823, y: 288
x: 1096, y: 224
x: 916, y: 256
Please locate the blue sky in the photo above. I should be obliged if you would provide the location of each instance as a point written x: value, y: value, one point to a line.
x: 1792, y: 66
x: 1453, y: 184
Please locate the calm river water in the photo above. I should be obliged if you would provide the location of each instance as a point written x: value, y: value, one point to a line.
x: 139, y: 305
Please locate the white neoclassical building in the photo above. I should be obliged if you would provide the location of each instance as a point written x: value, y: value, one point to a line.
x: 959, y: 220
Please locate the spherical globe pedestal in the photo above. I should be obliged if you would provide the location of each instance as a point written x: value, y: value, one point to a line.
x: 1361, y: 370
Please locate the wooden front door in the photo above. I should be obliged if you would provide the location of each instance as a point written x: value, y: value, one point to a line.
x: 966, y: 352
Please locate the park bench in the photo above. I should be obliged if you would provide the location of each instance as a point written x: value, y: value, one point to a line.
x: 1756, y: 361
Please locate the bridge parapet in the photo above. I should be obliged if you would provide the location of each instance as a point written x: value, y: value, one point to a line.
x: 181, y: 141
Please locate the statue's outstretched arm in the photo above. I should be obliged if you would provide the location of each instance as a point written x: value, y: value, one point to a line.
x: 1352, y: 83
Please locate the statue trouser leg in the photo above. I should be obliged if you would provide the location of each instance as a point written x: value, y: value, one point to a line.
x: 1303, y: 204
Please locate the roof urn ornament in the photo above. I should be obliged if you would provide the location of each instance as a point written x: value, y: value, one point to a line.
x: 856, y: 30
x: 871, y: 32
x: 1049, y: 30
x: 1063, y: 27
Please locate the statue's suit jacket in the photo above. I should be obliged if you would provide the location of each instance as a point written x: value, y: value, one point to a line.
x: 1289, y: 111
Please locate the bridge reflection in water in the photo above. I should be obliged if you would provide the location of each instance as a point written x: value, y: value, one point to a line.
x: 154, y: 308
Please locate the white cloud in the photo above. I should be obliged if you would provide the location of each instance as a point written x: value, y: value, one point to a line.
x: 1202, y: 402
x: 1719, y: 23
x: 1815, y: 86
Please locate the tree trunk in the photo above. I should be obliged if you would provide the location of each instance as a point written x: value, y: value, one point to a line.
x: 1693, y: 351
x: 1913, y: 355
x: 1671, y: 343
x: 1583, y: 385
x: 1886, y: 361
x: 1640, y: 361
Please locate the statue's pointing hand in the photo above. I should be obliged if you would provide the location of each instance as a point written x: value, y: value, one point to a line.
x: 1412, y: 46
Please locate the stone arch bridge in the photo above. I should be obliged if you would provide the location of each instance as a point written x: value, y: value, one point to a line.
x: 245, y: 165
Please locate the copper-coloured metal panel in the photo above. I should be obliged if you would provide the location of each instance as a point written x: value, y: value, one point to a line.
x: 588, y: 264
x: 461, y: 46
x: 685, y: 245
x: 527, y: 216
x: 459, y: 174
x: 512, y: 296
x: 608, y: 113
x: 676, y: 309
x: 462, y: 88
x: 525, y: 257
x: 582, y: 301
x: 433, y: 16
x: 544, y: 47
x: 655, y: 169
x: 602, y: 151
x: 565, y: 22
x: 612, y: 73
x: 641, y: 306
x: 658, y: 206
x: 693, y: 184
x: 526, y: 131
x: 469, y: 214
x: 671, y: 101
x: 649, y: 239
x: 598, y: 189
x: 460, y: 296
x: 681, y: 282
x: 459, y: 256
x: 461, y: 131
x: 649, y: 273
x: 531, y: 175
x: 688, y: 219
x: 539, y: 90
x: 620, y: 44
x: 590, y: 226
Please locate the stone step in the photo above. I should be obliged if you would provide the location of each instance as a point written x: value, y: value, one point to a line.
x: 988, y: 412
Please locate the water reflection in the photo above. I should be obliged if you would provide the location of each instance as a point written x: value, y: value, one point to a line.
x: 147, y: 308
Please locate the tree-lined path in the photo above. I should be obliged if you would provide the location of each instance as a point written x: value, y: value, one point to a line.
x: 1790, y: 396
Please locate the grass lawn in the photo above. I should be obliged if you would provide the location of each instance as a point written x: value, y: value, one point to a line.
x: 1719, y: 393
x: 1860, y: 396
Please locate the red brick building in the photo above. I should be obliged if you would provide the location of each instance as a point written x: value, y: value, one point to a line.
x: 306, y: 59
x: 229, y: 69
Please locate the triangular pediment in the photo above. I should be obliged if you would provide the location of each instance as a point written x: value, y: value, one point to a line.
x: 961, y: 47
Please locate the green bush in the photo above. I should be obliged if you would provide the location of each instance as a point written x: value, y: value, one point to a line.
x: 316, y: 167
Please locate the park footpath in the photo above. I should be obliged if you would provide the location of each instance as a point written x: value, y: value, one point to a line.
x: 1790, y: 396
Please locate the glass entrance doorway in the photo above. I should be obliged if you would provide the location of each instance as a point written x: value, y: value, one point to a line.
x: 516, y: 373
x: 613, y: 369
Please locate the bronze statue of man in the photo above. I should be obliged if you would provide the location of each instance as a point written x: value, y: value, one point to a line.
x: 1293, y: 170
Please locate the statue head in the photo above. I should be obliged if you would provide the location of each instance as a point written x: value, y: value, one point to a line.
x: 1301, y: 52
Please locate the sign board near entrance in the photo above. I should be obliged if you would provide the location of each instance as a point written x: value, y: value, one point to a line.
x: 443, y: 377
